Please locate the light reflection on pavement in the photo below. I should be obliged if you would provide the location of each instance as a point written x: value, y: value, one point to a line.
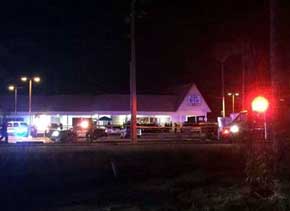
x: 13, y: 139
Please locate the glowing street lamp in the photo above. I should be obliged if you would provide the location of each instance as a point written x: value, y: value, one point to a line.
x: 260, y: 105
x: 35, y: 79
x: 24, y: 79
x: 11, y: 87
x: 233, y: 95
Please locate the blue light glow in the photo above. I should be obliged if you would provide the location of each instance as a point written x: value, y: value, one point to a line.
x: 21, y: 131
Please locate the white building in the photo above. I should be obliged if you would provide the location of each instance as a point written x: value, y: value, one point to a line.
x: 183, y: 103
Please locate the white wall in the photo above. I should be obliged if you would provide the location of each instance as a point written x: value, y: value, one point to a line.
x: 193, y: 104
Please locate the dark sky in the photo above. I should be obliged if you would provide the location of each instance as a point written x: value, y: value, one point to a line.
x: 83, y: 46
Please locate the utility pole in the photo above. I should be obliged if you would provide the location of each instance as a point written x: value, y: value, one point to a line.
x: 223, y: 89
x: 274, y: 66
x: 243, y: 76
x: 224, y: 51
x: 133, y: 97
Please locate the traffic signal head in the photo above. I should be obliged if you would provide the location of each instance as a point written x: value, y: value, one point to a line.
x: 260, y: 104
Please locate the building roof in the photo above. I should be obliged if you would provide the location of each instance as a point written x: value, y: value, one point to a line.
x: 90, y: 103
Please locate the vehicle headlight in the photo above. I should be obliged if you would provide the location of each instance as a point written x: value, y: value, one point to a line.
x: 234, y: 129
x: 84, y: 124
x: 55, y: 133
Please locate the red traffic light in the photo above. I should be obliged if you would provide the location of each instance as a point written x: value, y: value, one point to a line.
x: 260, y: 104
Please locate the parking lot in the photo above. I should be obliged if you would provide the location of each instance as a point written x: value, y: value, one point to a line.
x: 99, y: 176
x: 147, y: 137
x: 113, y: 173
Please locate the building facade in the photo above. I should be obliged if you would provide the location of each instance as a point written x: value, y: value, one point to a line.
x: 184, y: 103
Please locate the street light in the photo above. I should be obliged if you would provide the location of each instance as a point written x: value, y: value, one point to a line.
x: 24, y: 79
x: 222, y: 63
x: 15, y: 89
x: 233, y: 95
x: 35, y: 79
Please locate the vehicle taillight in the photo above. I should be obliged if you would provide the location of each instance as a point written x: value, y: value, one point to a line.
x: 226, y: 131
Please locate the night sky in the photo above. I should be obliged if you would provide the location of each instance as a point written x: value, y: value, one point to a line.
x: 82, y: 47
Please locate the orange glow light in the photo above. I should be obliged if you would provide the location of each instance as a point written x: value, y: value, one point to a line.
x: 226, y: 131
x: 260, y: 104
x: 84, y: 124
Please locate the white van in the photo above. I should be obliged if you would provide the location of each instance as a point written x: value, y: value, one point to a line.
x: 17, y: 128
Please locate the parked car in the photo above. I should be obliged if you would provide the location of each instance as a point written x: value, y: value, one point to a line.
x: 95, y: 133
x: 113, y: 130
x: 126, y: 132
x: 17, y: 128
x: 63, y: 136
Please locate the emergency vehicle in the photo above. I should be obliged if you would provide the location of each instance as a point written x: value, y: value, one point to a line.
x: 252, y: 122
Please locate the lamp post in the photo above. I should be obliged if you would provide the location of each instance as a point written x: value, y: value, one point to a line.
x: 222, y: 64
x: 30, y: 80
x: 233, y: 95
x: 15, y: 89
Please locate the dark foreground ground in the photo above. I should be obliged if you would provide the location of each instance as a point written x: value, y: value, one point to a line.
x: 126, y: 177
